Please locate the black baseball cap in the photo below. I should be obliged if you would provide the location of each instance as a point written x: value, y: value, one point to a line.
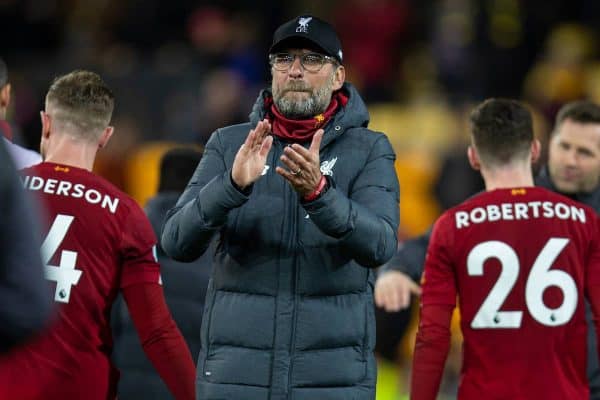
x: 308, y: 30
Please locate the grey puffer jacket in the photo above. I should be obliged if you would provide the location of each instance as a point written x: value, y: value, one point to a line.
x: 289, y: 311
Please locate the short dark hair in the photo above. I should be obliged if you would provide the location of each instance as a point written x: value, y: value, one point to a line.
x: 502, y: 130
x: 82, y: 100
x: 581, y: 111
x: 177, y: 167
x: 3, y: 73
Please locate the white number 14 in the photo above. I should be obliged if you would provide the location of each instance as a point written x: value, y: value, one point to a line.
x: 65, y: 275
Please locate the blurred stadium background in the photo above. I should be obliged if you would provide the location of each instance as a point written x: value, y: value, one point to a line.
x: 182, y: 68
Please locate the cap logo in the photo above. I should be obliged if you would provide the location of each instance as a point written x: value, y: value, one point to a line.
x: 303, y: 24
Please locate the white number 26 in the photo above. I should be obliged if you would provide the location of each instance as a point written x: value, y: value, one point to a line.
x: 540, y: 278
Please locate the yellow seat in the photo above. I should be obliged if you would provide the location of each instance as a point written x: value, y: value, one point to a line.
x: 419, y: 134
x: 142, y: 170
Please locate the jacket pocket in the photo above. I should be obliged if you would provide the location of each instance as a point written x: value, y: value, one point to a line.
x: 238, y: 366
x: 239, y: 338
x: 329, y: 322
x: 344, y: 366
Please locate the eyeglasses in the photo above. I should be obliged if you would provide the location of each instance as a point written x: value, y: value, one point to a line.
x: 312, y: 62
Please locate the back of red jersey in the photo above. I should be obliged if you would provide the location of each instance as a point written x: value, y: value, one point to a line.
x: 97, y: 241
x: 518, y: 260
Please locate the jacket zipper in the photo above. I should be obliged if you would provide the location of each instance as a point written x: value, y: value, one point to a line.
x: 274, y: 158
x: 296, y: 227
x: 208, y: 322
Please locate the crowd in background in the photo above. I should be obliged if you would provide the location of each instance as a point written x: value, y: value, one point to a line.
x: 183, y: 68
x: 180, y: 69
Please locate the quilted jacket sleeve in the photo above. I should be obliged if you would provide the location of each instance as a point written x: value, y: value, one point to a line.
x: 367, y: 220
x: 410, y: 259
x: 203, y: 207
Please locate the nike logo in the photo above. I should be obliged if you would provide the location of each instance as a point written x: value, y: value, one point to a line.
x: 265, y: 169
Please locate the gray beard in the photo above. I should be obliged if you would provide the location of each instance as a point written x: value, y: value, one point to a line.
x: 302, y: 109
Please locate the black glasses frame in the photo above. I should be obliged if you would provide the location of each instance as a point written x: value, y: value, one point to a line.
x: 284, y: 65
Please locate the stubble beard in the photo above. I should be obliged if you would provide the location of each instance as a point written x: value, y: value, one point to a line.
x: 294, y: 108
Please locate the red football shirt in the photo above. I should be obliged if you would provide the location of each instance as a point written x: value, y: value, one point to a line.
x: 520, y: 262
x: 97, y: 241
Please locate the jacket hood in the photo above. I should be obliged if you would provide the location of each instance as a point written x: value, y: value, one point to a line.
x: 354, y: 115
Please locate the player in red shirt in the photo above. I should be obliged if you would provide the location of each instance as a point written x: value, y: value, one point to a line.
x: 98, y: 242
x: 520, y: 259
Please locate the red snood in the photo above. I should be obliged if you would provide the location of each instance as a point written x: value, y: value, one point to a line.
x: 304, y: 129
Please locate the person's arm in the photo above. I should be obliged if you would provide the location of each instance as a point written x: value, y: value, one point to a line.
x: 25, y: 299
x: 161, y: 339
x: 410, y: 258
x: 437, y: 303
x: 367, y: 220
x: 203, y: 207
x: 397, y: 279
x: 142, y: 292
x: 393, y: 290
x: 431, y: 350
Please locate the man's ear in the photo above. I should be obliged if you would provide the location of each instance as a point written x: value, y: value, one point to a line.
x: 5, y: 96
x: 339, y: 78
x: 105, y: 137
x: 473, y: 158
x: 46, y: 124
x: 536, y: 150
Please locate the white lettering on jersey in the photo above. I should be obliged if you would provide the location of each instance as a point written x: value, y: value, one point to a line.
x: 68, y: 189
x: 512, y: 211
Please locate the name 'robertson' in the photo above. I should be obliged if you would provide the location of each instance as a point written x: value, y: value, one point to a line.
x: 66, y: 188
x: 517, y: 211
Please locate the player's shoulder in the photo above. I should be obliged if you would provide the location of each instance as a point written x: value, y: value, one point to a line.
x: 233, y: 133
x: 228, y: 137
x: 71, y: 181
x: 517, y: 204
x: 549, y: 195
x: 444, y: 224
x: 474, y: 201
x: 515, y: 195
x: 565, y: 199
x: 128, y: 202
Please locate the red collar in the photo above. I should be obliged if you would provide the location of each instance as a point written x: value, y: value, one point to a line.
x: 302, y: 130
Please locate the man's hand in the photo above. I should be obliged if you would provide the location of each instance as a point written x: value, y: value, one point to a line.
x: 393, y: 290
x: 251, y: 158
x: 303, y: 165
